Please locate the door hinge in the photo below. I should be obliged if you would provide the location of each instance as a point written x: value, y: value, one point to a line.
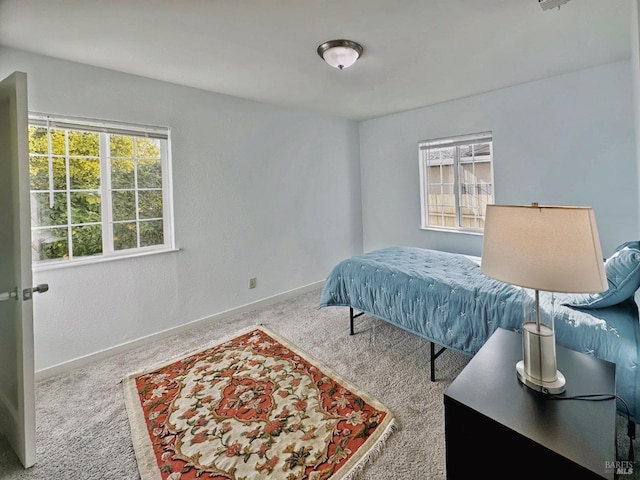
x: 4, y: 296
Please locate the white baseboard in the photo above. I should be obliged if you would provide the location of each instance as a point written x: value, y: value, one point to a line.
x: 123, y: 347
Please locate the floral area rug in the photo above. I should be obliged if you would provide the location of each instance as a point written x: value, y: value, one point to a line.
x: 252, y: 407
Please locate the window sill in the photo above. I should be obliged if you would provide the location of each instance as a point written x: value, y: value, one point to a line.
x: 45, y: 267
x: 454, y: 230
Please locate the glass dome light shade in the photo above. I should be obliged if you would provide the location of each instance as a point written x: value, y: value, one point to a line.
x: 340, y: 53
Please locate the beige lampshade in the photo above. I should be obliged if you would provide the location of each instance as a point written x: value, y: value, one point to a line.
x: 550, y: 248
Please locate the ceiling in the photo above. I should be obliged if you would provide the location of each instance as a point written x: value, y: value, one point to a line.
x: 416, y: 52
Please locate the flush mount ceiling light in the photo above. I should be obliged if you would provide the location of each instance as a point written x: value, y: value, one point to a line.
x: 340, y: 53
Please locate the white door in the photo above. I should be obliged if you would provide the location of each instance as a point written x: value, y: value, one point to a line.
x: 17, y: 403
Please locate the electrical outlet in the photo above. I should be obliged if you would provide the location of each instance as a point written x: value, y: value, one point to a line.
x: 252, y: 282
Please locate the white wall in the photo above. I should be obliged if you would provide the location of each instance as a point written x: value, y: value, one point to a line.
x: 563, y: 140
x: 258, y: 192
x: 635, y: 66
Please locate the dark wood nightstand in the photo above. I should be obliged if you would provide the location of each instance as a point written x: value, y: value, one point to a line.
x: 496, y: 425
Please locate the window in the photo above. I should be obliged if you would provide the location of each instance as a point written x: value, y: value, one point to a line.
x: 456, y: 181
x: 97, y: 189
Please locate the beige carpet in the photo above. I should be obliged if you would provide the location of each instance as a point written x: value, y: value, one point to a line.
x: 82, y: 426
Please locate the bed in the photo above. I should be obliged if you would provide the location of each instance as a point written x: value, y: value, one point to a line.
x: 444, y: 298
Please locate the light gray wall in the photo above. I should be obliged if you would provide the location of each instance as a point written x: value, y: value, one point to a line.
x: 566, y: 140
x: 258, y: 192
x: 635, y: 66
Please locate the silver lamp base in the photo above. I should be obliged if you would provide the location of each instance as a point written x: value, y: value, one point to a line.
x: 538, y: 369
x: 558, y: 386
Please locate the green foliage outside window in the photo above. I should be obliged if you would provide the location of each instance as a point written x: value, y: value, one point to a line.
x: 67, y: 212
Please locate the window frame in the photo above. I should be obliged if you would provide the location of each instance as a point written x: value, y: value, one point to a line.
x: 446, y: 142
x: 105, y: 129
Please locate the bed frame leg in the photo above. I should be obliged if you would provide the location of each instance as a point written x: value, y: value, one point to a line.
x: 351, y: 317
x: 350, y: 320
x: 435, y: 355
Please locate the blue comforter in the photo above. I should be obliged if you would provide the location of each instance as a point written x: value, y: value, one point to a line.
x: 444, y: 298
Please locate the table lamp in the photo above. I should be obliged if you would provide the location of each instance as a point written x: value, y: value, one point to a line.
x: 550, y: 248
